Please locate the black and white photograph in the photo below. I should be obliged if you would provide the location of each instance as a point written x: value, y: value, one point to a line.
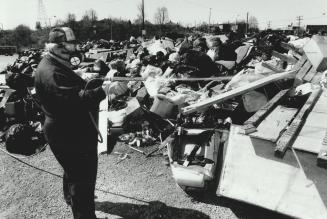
x: 163, y: 109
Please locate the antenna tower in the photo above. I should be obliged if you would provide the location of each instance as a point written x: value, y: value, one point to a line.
x: 42, y: 17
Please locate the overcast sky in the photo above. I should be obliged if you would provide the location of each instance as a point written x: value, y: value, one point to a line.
x: 188, y: 12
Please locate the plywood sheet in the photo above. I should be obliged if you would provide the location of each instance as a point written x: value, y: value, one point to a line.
x: 270, y: 128
x: 317, y: 120
x: 321, y: 105
x: 310, y: 139
x: 312, y: 134
x: 251, y: 176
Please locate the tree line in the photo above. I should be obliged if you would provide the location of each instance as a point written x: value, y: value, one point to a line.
x: 89, y: 27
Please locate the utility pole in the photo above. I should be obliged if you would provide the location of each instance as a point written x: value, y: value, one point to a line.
x: 247, y: 22
x: 209, y: 15
x: 209, y: 19
x: 143, y: 15
x: 111, y: 29
x: 299, y: 19
x: 269, y: 23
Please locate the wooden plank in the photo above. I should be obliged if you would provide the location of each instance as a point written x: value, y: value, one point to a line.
x: 322, y: 156
x: 309, y: 76
x: 304, y: 70
x: 252, y: 175
x: 289, y: 135
x: 238, y: 91
x: 221, y: 78
x: 284, y: 57
x: 272, y: 126
x: 271, y: 67
x: 311, y: 137
x: 301, y: 62
x: 266, y: 109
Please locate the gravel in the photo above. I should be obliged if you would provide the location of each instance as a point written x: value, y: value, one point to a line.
x: 137, y: 187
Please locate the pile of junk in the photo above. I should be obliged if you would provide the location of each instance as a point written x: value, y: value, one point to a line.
x: 181, y: 94
x: 184, y: 95
x: 20, y: 116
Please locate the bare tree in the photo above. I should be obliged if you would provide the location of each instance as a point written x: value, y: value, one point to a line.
x: 161, y: 16
x: 141, y: 15
x: 253, y: 23
x: 71, y: 20
x: 71, y: 17
x: 90, y: 15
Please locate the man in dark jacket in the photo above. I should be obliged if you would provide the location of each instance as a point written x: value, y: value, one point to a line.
x: 68, y: 126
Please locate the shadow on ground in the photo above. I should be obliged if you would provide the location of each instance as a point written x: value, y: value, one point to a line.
x: 152, y: 210
x: 240, y: 209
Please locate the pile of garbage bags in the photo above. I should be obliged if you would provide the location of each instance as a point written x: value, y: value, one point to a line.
x: 20, y: 115
x: 153, y: 80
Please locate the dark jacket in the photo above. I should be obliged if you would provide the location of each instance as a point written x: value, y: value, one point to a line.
x: 66, y: 105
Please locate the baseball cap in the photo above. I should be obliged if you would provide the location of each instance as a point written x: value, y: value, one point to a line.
x: 62, y: 34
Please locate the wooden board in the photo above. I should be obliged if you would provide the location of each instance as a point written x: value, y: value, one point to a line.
x: 103, y: 125
x: 304, y: 70
x: 290, y: 134
x: 301, y: 62
x: 238, y: 91
x: 266, y: 109
x: 272, y: 126
x: 309, y: 76
x: 251, y: 174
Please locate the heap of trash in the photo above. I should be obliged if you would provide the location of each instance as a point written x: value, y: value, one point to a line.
x: 181, y: 94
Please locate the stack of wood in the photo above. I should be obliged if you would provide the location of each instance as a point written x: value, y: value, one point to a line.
x: 303, y: 128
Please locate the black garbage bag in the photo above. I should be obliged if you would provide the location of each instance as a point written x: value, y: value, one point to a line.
x: 19, y: 81
x: 24, y: 139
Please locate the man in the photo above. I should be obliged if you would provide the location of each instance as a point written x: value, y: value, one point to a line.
x: 68, y: 127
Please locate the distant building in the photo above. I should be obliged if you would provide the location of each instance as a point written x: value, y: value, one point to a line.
x: 314, y: 29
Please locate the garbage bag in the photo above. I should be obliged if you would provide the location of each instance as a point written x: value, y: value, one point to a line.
x: 18, y: 139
